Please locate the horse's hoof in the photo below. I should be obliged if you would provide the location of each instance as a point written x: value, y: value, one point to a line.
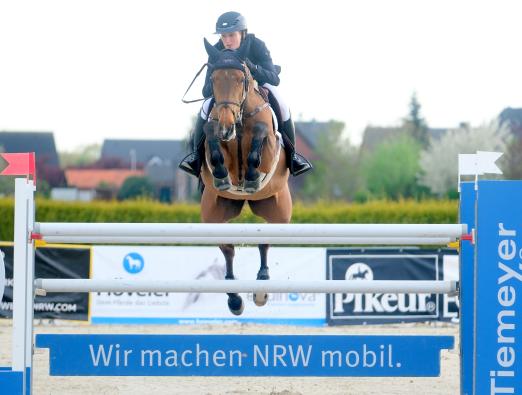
x: 260, y: 299
x: 236, y: 305
x: 222, y: 184
x: 252, y: 186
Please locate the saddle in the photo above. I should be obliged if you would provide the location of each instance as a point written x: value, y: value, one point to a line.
x: 274, y: 105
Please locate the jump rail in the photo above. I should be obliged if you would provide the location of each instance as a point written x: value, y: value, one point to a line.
x: 248, y: 230
x: 270, y: 286
x: 249, y: 240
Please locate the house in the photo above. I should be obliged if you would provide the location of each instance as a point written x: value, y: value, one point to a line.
x: 375, y: 135
x: 159, y: 159
x: 307, y: 136
x: 513, y: 117
x: 95, y: 183
x: 42, y: 144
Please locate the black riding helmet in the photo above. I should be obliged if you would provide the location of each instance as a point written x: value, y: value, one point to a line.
x: 230, y: 22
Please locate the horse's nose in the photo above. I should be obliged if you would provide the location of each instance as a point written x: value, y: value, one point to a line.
x: 227, y: 133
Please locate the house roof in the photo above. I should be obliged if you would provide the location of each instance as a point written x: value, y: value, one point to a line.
x: 374, y: 135
x: 513, y: 116
x: 144, y: 150
x: 92, y: 178
x: 310, y: 131
x: 41, y: 143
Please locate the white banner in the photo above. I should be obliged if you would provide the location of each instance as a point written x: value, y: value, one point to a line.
x: 2, y: 275
x: 188, y: 263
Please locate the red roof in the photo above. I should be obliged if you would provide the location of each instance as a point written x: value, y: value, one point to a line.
x: 92, y: 178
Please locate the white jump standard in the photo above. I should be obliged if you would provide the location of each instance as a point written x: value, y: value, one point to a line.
x: 491, y: 276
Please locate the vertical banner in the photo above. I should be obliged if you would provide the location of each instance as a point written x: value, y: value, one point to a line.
x: 498, y: 292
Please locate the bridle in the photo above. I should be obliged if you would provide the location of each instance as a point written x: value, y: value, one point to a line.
x: 241, y: 104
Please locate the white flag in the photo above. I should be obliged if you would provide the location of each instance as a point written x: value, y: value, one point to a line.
x: 467, y: 164
x: 483, y: 162
x: 486, y: 162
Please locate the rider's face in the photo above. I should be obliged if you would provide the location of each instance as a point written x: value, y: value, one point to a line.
x: 231, y: 40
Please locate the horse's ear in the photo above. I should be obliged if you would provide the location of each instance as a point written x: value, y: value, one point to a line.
x: 244, y: 49
x: 212, y: 51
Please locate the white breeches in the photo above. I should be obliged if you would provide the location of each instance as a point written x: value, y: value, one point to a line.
x: 283, y: 107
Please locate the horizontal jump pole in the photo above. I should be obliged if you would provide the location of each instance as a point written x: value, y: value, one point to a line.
x: 248, y: 240
x: 46, y: 229
x: 245, y: 286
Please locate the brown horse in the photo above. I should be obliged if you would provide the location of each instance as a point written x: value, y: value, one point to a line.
x: 244, y: 160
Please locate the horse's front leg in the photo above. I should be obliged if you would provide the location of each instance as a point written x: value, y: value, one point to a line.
x: 235, y: 302
x: 260, y: 299
x: 217, y: 160
x: 253, y: 176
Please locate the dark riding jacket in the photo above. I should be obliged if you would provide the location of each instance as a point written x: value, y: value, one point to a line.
x: 259, y: 62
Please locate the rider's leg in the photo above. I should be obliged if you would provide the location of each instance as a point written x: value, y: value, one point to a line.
x: 192, y: 162
x: 297, y: 163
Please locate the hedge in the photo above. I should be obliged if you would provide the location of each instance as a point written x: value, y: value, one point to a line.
x: 407, y: 211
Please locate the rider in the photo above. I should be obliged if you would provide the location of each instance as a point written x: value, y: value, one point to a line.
x: 233, y: 30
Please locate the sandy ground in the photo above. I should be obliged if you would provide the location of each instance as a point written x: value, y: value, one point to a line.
x: 447, y: 383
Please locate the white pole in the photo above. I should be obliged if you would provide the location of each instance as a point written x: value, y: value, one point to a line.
x: 23, y: 281
x: 249, y: 240
x: 219, y: 286
x: 249, y: 230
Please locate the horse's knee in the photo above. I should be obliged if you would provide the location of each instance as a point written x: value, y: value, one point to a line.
x: 260, y: 129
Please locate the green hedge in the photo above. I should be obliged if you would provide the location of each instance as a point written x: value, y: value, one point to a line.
x: 407, y: 211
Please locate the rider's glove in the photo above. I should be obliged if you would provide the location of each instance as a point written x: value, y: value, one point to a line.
x: 251, y: 66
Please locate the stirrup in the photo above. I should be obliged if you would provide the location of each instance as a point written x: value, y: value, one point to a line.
x: 190, y: 164
x: 299, y: 165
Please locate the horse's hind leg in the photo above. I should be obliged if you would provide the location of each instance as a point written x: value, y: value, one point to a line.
x: 235, y: 302
x: 260, y: 299
x: 275, y: 209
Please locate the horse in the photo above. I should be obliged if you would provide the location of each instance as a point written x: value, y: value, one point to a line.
x: 244, y: 159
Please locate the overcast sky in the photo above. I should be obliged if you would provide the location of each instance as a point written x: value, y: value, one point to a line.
x: 89, y: 70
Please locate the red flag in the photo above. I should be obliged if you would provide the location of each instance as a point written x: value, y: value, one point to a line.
x: 22, y: 164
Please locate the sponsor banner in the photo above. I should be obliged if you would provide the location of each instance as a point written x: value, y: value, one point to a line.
x: 243, y: 355
x: 497, y: 349
x: 206, y: 263
x: 52, y: 262
x: 386, y: 264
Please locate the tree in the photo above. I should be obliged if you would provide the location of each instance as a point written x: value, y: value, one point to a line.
x: 135, y: 187
x: 414, y: 124
x: 335, y: 175
x: 81, y: 156
x: 391, y: 170
x: 439, y: 162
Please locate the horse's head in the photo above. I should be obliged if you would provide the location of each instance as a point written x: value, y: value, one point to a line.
x: 230, y: 83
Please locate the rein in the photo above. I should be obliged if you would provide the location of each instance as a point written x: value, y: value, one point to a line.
x: 190, y: 86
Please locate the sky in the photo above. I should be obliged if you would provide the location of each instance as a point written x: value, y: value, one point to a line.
x: 96, y: 69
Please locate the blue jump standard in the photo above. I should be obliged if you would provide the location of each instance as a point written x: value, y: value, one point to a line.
x: 244, y: 355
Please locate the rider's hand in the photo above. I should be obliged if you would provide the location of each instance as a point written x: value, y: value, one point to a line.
x: 251, y: 66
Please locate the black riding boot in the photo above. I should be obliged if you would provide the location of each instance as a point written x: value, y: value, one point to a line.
x: 297, y: 163
x: 192, y: 162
